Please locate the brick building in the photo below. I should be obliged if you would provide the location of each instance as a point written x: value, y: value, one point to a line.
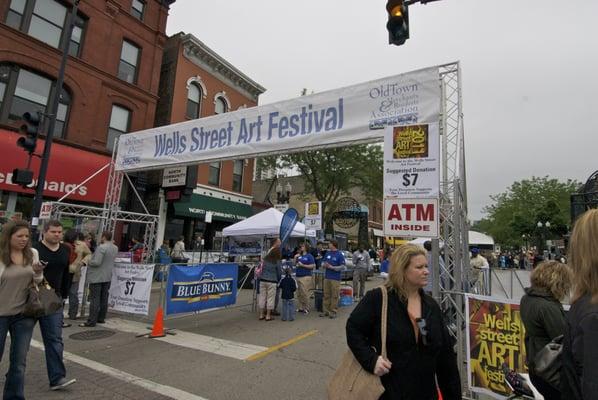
x: 196, y: 82
x: 110, y: 86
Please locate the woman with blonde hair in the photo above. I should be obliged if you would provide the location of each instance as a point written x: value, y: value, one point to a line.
x: 543, y: 315
x: 579, y: 375
x: 419, y: 347
x: 19, y: 268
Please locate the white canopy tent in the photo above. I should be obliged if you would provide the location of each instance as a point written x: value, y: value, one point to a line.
x: 475, y: 239
x: 266, y: 223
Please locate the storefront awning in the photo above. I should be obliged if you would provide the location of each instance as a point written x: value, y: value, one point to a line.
x: 222, y: 210
x: 378, y: 232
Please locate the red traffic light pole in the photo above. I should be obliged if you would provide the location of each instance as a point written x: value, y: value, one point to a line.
x: 43, y: 169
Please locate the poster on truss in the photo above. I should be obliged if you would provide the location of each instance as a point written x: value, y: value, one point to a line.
x: 412, y: 161
x: 495, y: 336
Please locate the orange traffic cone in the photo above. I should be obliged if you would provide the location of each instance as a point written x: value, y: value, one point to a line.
x: 158, y: 328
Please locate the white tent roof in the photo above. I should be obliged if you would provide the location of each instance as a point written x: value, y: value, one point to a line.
x: 475, y: 238
x: 266, y: 223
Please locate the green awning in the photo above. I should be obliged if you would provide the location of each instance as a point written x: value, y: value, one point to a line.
x: 222, y: 210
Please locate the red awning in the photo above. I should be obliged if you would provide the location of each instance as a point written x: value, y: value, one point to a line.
x: 68, y: 167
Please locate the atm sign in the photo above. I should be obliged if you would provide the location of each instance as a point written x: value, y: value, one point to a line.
x: 411, y: 217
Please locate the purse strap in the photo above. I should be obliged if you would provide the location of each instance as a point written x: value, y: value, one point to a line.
x: 384, y: 320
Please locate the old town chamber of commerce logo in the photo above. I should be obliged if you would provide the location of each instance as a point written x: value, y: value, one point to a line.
x: 207, y: 288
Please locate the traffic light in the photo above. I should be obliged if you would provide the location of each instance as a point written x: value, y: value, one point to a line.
x: 398, y: 22
x: 31, y: 131
x: 22, y: 177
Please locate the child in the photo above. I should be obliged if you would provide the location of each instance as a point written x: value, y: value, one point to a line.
x: 288, y: 286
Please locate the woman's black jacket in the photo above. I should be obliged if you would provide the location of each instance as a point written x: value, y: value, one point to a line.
x: 544, y: 319
x: 579, y: 375
x: 415, y: 366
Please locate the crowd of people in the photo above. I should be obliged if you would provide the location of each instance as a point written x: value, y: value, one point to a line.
x: 56, y: 260
x: 420, y: 360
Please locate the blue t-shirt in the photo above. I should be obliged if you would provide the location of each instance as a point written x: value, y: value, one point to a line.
x: 336, y: 259
x: 384, y: 266
x: 306, y: 259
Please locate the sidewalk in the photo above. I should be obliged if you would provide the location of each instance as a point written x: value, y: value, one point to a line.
x: 90, y: 385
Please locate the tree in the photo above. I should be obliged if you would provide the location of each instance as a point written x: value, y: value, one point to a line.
x: 517, y: 211
x: 331, y: 173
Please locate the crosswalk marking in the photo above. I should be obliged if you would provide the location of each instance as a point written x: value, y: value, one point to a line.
x: 209, y: 344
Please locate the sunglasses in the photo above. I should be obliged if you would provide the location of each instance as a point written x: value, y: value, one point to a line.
x: 423, y: 330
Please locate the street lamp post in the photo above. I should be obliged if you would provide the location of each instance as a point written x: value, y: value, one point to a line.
x: 544, y: 227
x: 283, y: 196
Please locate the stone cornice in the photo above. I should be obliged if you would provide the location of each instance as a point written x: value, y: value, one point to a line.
x: 201, y: 55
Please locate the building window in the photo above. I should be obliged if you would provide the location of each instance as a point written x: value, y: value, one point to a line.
x: 221, y: 106
x: 46, y: 20
x: 238, y: 175
x: 129, y: 58
x: 24, y: 91
x: 193, y: 99
x: 120, y: 120
x: 214, y: 176
x: 31, y: 94
x: 137, y: 8
x: 77, y: 37
x: 61, y: 114
x: 14, y: 17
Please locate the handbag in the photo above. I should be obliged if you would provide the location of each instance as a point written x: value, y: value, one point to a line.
x: 351, y: 381
x: 258, y: 270
x: 41, y: 300
x: 548, y: 364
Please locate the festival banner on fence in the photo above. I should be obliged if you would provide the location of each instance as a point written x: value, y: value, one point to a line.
x: 412, y: 161
x: 350, y: 115
x: 244, y: 246
x: 200, y: 287
x: 131, y: 288
x: 495, y: 336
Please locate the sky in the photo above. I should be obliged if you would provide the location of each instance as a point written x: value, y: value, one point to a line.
x: 529, y: 69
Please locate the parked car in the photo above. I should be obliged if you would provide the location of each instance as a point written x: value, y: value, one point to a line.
x: 347, y: 273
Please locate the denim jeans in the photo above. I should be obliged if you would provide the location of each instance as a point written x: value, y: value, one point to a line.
x: 21, y: 329
x: 73, y: 300
x: 288, y: 310
x: 98, y: 302
x: 51, y: 329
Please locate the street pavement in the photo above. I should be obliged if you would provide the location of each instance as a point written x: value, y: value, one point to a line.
x: 221, y: 355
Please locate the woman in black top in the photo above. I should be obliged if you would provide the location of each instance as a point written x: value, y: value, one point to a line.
x: 420, y: 350
x: 543, y: 315
x: 579, y: 375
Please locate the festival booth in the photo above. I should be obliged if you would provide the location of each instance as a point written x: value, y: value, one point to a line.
x: 247, y: 239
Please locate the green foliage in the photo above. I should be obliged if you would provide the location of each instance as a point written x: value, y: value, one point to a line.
x: 517, y: 211
x: 331, y: 173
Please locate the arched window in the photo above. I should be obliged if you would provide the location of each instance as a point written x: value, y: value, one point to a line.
x: 220, y: 106
x: 193, y: 101
x: 23, y: 90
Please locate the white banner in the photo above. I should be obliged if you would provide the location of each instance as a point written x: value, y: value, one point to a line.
x: 412, y: 161
x: 313, y: 215
x: 131, y: 287
x: 354, y: 114
x: 411, y: 217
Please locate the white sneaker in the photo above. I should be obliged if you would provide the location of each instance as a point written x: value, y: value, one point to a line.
x: 62, y: 383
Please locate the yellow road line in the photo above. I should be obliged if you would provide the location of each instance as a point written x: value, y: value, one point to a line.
x: 272, y: 349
